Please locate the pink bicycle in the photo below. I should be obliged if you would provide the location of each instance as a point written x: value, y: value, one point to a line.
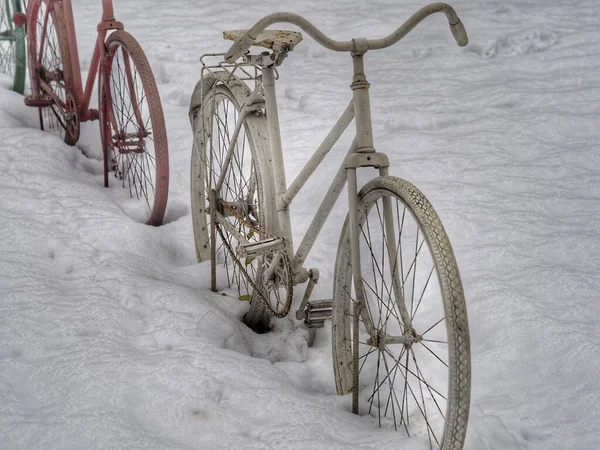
x: 132, y: 127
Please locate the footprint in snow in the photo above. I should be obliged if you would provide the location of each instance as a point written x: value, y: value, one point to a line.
x: 532, y: 41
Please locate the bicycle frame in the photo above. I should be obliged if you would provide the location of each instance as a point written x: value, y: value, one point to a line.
x: 358, y: 110
x: 361, y: 153
x: 72, y: 75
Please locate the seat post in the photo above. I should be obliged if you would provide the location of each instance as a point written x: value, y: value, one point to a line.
x: 283, y: 212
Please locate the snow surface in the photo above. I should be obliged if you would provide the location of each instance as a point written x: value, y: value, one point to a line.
x: 111, y: 338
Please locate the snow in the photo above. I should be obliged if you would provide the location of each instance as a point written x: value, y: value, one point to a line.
x: 110, y: 336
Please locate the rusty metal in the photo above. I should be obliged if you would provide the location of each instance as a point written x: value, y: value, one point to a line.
x: 213, y: 244
x: 19, y: 19
x: 213, y: 63
x: 38, y: 101
x: 317, y: 312
x: 313, y: 279
x: 257, y: 293
x: 106, y: 25
x: 355, y: 355
x: 132, y: 146
x: 273, y: 39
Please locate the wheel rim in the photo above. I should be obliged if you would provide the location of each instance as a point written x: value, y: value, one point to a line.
x: 7, y: 44
x: 61, y: 115
x: 130, y: 139
x: 240, y: 187
x: 404, y: 386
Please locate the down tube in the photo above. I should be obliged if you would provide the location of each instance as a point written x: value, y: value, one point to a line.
x: 333, y: 193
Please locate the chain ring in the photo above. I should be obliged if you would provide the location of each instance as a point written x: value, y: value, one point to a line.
x: 257, y: 291
x: 72, y: 121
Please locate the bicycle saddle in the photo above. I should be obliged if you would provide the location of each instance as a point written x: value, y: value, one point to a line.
x: 273, y: 39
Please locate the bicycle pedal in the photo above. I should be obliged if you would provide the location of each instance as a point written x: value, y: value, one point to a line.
x: 254, y: 249
x: 317, y: 312
x: 38, y: 102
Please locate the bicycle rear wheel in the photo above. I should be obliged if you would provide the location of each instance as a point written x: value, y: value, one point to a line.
x: 12, y: 45
x: 416, y: 379
x: 132, y: 127
x: 50, y: 70
x: 245, y: 199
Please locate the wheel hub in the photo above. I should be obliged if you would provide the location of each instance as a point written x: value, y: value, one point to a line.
x: 382, y: 339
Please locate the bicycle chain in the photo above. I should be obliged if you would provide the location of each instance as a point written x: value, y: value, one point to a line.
x: 234, y: 256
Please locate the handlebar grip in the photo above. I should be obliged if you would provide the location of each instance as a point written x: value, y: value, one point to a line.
x: 459, y: 33
x: 239, y: 47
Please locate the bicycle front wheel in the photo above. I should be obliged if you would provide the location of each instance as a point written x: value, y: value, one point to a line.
x: 12, y: 45
x: 132, y: 127
x: 408, y: 345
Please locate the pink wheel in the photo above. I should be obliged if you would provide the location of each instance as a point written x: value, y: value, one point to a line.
x: 132, y: 126
x: 49, y: 69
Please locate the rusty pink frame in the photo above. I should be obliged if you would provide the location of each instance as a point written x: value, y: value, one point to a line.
x: 69, y: 49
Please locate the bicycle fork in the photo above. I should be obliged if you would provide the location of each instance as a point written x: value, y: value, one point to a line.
x: 366, y: 156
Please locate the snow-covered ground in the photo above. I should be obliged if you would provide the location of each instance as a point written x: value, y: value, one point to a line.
x: 111, y: 338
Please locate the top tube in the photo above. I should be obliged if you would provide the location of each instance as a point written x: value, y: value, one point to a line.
x: 356, y: 46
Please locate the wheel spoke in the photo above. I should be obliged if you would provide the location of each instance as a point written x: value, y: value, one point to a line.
x: 61, y: 116
x: 429, y: 388
x: 133, y: 129
x: 240, y: 196
x: 413, y: 314
x: 434, y: 354
x: 417, y: 361
x: 385, y: 288
x: 430, y: 432
x: 433, y: 326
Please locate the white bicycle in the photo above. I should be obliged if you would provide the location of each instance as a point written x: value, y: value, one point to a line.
x: 399, y: 321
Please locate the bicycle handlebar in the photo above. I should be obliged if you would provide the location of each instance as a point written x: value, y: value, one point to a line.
x: 242, y: 44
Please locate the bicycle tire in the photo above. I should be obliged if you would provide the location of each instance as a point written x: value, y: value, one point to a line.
x: 381, y: 371
x: 216, y: 103
x: 132, y: 127
x: 50, y: 69
x: 12, y: 45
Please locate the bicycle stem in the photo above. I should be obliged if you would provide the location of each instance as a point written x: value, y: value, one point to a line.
x: 362, y: 106
x: 242, y: 44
